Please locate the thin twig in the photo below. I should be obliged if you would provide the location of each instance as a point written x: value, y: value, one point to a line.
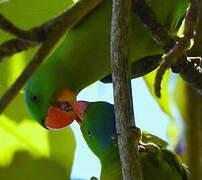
x: 71, y: 17
x: 164, y: 39
x: 181, y: 47
x: 37, y: 35
x: 13, y: 46
x: 9, y: 27
x: 34, y: 35
x: 125, y: 124
x: 25, y: 38
x: 160, y: 33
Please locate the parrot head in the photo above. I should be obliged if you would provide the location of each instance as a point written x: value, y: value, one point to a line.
x: 50, y: 107
x: 97, y: 123
x: 57, y: 108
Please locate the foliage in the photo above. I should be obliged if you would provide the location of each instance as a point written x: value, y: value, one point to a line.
x: 27, y: 150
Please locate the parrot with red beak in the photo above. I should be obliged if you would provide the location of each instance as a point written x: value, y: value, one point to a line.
x: 84, y: 57
x: 97, y: 124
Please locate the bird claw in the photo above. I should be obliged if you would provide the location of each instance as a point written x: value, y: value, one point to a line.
x: 151, y: 147
x: 180, y: 48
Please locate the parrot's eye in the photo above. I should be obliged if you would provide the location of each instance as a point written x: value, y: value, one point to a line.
x: 89, y: 134
x: 34, y: 98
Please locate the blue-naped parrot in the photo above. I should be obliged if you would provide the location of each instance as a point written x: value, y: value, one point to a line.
x: 97, y: 123
x: 84, y: 57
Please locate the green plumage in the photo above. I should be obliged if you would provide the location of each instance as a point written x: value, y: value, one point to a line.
x: 98, y: 128
x: 84, y: 55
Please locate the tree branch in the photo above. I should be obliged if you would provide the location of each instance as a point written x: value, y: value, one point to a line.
x: 160, y: 33
x: 172, y: 57
x: 189, y: 69
x: 13, y: 46
x: 70, y: 18
x: 9, y: 27
x: 125, y: 124
x: 38, y: 34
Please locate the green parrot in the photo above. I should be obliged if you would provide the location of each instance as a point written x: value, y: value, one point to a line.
x: 84, y: 57
x: 97, y: 123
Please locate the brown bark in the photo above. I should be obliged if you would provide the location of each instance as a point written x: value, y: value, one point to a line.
x: 125, y: 123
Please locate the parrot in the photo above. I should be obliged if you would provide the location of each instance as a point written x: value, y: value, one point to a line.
x: 83, y: 57
x: 97, y: 124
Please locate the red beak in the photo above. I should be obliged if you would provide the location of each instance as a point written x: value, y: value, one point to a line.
x: 58, y: 118
x: 79, y: 108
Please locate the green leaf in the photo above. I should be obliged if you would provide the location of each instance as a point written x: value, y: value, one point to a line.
x: 165, y: 104
x: 29, y: 149
x: 165, y: 101
x: 28, y: 14
x: 180, y: 97
x: 25, y: 14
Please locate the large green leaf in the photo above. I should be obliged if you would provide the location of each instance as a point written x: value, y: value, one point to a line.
x: 173, y: 131
x: 180, y: 97
x: 165, y: 101
x: 27, y: 144
x: 25, y: 14
x: 28, y: 14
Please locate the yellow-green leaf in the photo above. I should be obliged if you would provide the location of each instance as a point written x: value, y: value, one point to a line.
x: 165, y: 101
x: 25, y: 14
x: 180, y: 97
x: 28, y: 145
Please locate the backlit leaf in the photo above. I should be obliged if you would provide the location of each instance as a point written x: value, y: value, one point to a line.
x: 164, y: 101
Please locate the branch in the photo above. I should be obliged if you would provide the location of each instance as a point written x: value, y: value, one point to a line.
x: 9, y: 27
x: 172, y: 57
x: 70, y: 18
x: 13, y: 46
x: 160, y: 33
x: 125, y: 124
x: 38, y: 34
x: 189, y: 69
x: 25, y: 38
